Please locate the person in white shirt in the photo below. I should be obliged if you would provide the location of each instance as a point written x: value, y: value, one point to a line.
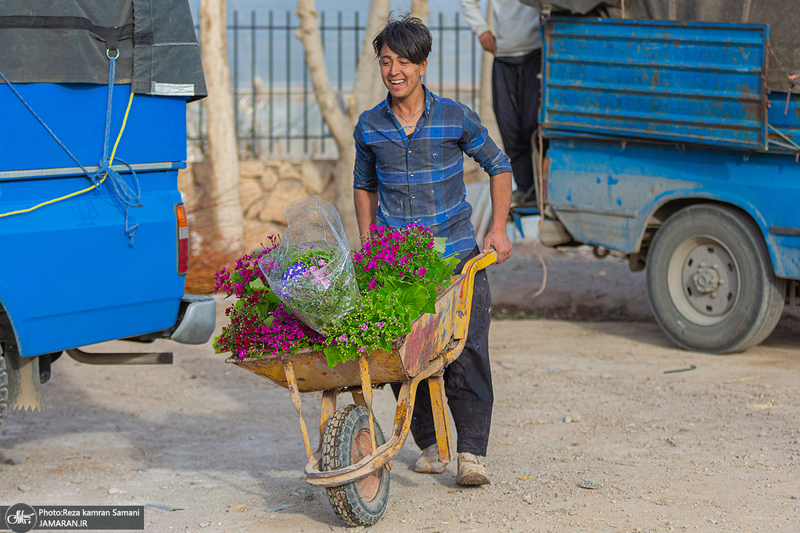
x: 517, y: 48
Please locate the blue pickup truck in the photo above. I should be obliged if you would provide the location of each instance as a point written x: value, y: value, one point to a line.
x: 667, y: 144
x: 96, y: 234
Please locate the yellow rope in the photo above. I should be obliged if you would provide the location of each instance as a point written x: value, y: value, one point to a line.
x: 87, y: 189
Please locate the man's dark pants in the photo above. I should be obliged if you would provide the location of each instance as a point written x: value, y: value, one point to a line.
x: 515, y: 100
x: 467, y: 381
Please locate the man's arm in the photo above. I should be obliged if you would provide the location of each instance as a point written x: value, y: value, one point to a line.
x: 365, y: 183
x: 471, y: 10
x: 497, y: 238
x: 366, y: 208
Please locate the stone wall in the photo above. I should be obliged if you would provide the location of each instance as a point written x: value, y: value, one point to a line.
x: 266, y: 189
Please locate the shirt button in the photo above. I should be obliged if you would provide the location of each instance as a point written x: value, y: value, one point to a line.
x: 413, y: 196
x: 412, y: 174
x: 409, y: 151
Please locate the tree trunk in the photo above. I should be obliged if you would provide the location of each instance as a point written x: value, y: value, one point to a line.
x: 486, y: 111
x: 341, y: 124
x: 419, y: 9
x: 222, y: 148
x: 368, y: 87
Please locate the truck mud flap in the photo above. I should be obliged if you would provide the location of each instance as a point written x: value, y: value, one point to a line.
x: 24, y: 387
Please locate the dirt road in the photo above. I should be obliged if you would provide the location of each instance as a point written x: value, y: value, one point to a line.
x: 598, y: 426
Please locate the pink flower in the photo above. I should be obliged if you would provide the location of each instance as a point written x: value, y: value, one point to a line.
x: 364, y: 327
x: 422, y: 271
x: 373, y: 285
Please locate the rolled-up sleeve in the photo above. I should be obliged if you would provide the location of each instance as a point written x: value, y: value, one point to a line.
x: 476, y: 143
x: 364, y: 174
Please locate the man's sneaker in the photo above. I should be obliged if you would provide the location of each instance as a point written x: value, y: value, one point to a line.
x: 471, y: 471
x: 428, y: 462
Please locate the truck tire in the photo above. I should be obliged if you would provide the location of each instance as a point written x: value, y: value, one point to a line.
x: 710, y: 281
x: 345, y: 441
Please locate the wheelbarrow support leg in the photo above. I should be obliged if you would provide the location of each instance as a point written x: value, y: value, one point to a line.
x: 366, y: 391
x: 292, y: 382
x: 440, y: 420
x: 326, y: 410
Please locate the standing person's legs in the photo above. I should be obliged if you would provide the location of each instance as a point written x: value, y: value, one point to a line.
x: 515, y: 100
x: 468, y: 386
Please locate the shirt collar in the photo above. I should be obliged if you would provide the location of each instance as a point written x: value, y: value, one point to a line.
x: 428, y: 102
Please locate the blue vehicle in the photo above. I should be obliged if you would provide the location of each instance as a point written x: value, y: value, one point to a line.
x: 666, y: 144
x: 90, y: 210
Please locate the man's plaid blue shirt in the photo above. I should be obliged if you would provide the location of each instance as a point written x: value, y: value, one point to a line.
x: 420, y: 179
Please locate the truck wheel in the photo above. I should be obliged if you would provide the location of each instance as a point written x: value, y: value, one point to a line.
x: 345, y: 442
x: 3, y: 387
x: 710, y: 281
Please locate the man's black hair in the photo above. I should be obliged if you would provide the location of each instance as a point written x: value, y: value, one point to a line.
x: 407, y: 37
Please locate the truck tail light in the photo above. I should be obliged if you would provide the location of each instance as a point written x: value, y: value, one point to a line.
x: 183, y: 240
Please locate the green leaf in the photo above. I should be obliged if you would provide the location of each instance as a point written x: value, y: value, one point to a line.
x: 385, y: 345
x: 413, y: 299
x: 452, y: 263
x: 439, y: 244
x: 333, y: 354
x: 256, y: 284
x: 430, y: 305
x: 218, y: 344
x: 274, y: 301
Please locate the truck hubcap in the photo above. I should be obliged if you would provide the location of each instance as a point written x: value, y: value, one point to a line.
x: 703, y: 280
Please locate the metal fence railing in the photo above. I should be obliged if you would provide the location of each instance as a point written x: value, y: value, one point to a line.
x: 276, y: 112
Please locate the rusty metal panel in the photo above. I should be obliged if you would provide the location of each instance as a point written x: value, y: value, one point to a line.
x: 313, y: 374
x: 784, y: 122
x: 700, y: 83
x: 431, y: 333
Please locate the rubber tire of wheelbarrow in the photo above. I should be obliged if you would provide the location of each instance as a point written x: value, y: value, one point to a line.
x: 337, y: 452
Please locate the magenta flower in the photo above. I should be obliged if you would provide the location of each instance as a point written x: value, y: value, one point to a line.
x: 422, y: 271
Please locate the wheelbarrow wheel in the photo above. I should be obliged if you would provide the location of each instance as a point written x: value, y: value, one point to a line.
x: 345, y: 442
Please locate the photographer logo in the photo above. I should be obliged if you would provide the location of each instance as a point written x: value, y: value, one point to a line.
x: 20, y: 518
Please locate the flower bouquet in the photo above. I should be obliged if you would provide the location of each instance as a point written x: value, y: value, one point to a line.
x: 311, y: 271
x: 259, y: 322
x: 398, y: 273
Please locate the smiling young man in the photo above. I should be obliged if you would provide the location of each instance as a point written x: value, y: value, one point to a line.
x: 409, y: 168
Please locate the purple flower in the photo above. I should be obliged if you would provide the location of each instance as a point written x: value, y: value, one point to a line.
x: 297, y: 270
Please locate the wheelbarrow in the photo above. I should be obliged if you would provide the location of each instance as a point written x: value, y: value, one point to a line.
x: 353, y: 459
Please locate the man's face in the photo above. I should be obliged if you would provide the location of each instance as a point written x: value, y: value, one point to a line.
x: 400, y: 75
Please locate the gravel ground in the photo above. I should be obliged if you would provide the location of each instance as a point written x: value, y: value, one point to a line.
x: 600, y: 424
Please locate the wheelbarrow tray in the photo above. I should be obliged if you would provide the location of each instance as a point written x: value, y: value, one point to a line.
x: 431, y: 336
